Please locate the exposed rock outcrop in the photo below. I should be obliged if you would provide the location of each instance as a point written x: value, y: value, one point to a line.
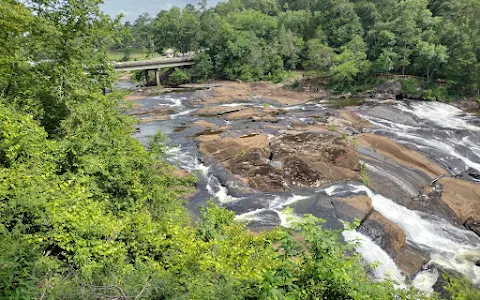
x: 384, y: 233
x: 463, y: 198
x: 307, y: 160
x: 223, y: 149
x: 255, y: 114
x: 205, y: 124
x: 396, y: 152
x: 392, y: 239
x: 387, y: 90
x: 349, y: 209
x: 218, y: 110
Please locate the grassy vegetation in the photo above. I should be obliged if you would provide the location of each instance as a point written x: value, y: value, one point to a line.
x: 135, y: 55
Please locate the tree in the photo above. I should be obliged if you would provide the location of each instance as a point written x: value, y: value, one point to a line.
x: 319, y: 56
x: 143, y: 32
x: 430, y: 58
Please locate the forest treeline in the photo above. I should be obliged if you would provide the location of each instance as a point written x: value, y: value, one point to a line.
x: 86, y: 212
x: 347, y: 40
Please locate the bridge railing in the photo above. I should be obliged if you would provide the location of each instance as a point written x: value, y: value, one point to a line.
x: 156, y: 61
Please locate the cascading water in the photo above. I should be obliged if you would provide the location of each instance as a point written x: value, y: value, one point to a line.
x: 440, y: 131
x: 446, y: 135
x: 449, y: 246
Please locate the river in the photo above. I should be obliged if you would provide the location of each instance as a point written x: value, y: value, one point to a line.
x: 440, y: 132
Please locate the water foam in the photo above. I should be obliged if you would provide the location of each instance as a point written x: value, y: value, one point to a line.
x: 442, y: 114
x: 373, y: 254
x: 450, y: 247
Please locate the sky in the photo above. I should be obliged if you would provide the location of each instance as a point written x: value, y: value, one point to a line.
x: 133, y: 8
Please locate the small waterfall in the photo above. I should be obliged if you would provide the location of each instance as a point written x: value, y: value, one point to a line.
x: 443, y: 115
x: 276, y: 205
x: 425, y: 280
x: 372, y: 254
x: 450, y: 247
x: 440, y: 131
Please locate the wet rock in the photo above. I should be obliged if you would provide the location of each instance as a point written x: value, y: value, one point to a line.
x: 396, y: 152
x: 202, y: 123
x: 464, y: 199
x: 255, y: 114
x: 218, y: 110
x: 223, y: 149
x: 392, y: 239
x: 321, y: 207
x: 349, y: 209
x: 264, y: 220
x: 247, y: 206
x: 474, y: 226
x: 411, y: 260
x: 466, y: 105
x: 384, y: 233
x: 470, y: 174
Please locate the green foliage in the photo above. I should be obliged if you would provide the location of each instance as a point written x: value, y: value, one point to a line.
x: 332, y: 128
x: 203, y: 68
x: 363, y: 173
x: 436, y: 93
x: 345, y: 40
x: 461, y: 289
x: 87, y: 212
x: 179, y: 77
x: 410, y: 86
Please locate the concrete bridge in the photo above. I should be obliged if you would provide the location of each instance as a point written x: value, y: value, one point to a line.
x: 155, y: 65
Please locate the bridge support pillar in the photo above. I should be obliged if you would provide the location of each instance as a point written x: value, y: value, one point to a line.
x: 147, y: 79
x: 157, y: 75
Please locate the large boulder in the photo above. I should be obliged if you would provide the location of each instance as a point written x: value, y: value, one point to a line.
x: 349, y: 209
x: 320, y: 157
x: 306, y: 160
x: 463, y: 198
x: 411, y: 260
x: 254, y: 168
x: 223, y: 149
x: 392, y: 239
x: 384, y: 233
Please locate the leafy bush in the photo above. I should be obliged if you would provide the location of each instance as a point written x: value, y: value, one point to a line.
x: 179, y: 77
x: 410, y: 86
x: 436, y: 93
x: 461, y: 289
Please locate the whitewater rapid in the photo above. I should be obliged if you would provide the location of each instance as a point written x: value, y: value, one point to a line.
x: 448, y: 246
x: 440, y: 131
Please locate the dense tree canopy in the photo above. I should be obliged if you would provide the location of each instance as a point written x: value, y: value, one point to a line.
x: 252, y: 40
